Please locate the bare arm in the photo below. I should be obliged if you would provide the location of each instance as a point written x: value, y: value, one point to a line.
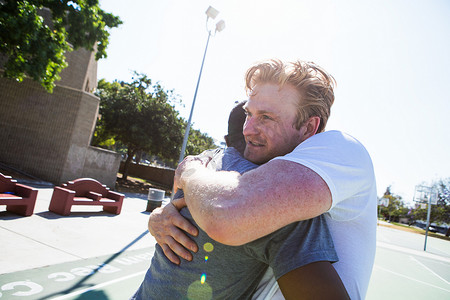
x: 317, y: 280
x: 169, y: 228
x: 235, y: 209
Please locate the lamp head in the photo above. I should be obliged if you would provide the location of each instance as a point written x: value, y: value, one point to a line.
x: 220, y: 26
x: 211, y: 12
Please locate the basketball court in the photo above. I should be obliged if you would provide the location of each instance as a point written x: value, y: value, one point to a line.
x: 94, y: 255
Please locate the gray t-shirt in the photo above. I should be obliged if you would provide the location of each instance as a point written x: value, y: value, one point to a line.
x: 233, y: 272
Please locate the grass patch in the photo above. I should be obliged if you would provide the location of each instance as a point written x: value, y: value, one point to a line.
x: 404, y: 227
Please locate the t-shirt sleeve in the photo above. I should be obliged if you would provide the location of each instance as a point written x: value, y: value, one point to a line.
x: 294, y: 246
x: 345, y: 166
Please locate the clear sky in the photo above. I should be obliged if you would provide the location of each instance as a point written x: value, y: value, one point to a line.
x: 390, y: 58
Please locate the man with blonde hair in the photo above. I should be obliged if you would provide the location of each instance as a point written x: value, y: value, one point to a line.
x: 307, y: 172
x: 302, y: 263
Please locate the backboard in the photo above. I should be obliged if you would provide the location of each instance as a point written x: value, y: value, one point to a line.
x: 423, y: 194
x: 383, y: 202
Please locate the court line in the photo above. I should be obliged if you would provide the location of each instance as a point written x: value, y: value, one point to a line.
x: 429, y: 269
x: 94, y: 287
x: 413, y: 252
x: 413, y: 279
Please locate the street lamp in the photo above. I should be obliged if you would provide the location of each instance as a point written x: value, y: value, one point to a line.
x: 211, y: 13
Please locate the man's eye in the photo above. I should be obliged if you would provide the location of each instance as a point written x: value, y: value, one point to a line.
x: 266, y: 117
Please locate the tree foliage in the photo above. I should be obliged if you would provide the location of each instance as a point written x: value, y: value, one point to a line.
x: 441, y: 211
x: 140, y: 117
x: 198, y: 142
x: 35, y: 46
x: 396, y: 208
x: 439, y: 214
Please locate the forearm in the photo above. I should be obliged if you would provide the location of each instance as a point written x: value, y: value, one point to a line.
x: 210, y: 197
x: 235, y: 209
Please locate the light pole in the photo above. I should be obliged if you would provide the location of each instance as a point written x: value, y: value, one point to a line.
x: 212, y: 13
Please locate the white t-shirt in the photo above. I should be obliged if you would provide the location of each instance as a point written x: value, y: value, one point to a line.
x: 346, y: 167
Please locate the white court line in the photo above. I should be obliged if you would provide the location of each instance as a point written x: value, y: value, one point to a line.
x: 429, y: 270
x: 413, y: 252
x: 98, y: 286
x: 410, y: 278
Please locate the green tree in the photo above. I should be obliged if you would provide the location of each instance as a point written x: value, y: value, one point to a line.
x: 36, y: 47
x: 420, y: 213
x: 441, y: 211
x: 140, y: 116
x: 198, y: 142
x: 396, y: 208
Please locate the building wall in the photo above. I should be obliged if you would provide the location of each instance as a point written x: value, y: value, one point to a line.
x: 48, y: 135
x: 81, y: 73
x: 37, y: 128
x: 102, y: 165
x: 85, y: 114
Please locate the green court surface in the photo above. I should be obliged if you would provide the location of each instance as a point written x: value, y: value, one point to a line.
x: 402, y: 270
x: 107, y: 277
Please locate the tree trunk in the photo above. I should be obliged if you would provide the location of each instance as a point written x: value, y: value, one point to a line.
x: 130, y: 155
x: 139, y: 156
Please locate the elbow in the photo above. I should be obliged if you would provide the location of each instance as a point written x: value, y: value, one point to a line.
x: 223, y: 232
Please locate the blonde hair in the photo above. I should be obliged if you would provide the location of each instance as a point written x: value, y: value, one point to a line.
x: 313, y: 83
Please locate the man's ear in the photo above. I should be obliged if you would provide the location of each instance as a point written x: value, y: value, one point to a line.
x: 309, y: 128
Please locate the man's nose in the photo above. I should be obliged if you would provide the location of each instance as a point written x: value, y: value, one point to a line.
x: 250, y: 127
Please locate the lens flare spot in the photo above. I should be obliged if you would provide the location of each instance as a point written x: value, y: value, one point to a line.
x: 199, y: 291
x: 203, y: 278
x: 206, y: 258
x: 208, y: 247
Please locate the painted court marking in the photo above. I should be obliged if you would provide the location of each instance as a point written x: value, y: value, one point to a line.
x: 99, y: 286
x: 413, y: 252
x: 432, y: 272
x: 413, y: 279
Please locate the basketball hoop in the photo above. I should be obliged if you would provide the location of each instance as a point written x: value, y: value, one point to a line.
x: 425, y: 194
x: 383, y: 202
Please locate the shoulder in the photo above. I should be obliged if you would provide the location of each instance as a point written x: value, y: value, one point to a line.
x: 343, y: 163
x: 234, y: 161
x: 331, y: 147
x: 332, y: 140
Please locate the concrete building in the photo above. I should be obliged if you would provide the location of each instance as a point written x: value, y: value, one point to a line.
x: 48, y: 135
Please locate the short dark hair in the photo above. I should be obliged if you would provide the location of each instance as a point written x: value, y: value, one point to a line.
x: 235, y: 137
